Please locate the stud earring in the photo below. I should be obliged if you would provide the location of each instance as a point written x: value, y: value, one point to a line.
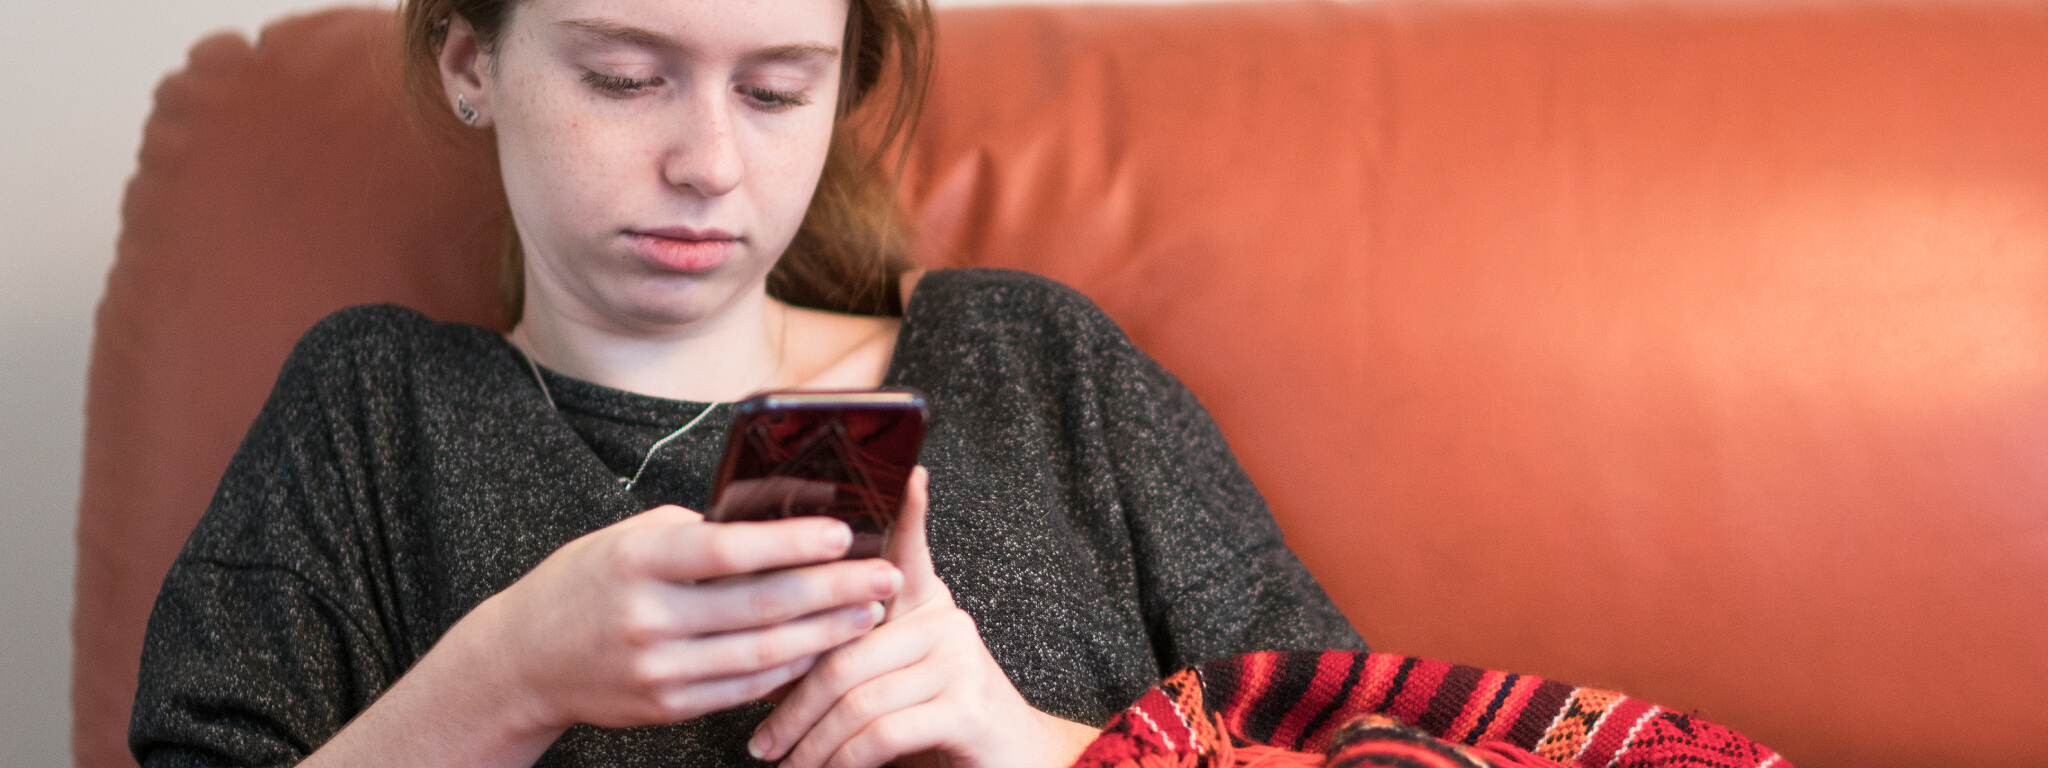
x: 465, y: 111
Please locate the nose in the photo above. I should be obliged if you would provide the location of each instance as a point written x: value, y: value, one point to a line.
x: 704, y: 158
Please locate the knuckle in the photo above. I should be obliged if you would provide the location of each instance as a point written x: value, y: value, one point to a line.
x: 772, y: 602
x: 890, y: 734
x: 804, y: 753
x: 766, y: 682
x: 864, y: 702
x: 626, y: 558
x: 645, y: 622
x: 721, y: 552
x: 672, y: 513
x: 679, y: 704
x: 840, y: 756
x: 647, y: 678
x: 768, y: 652
x: 759, y: 684
x: 835, y: 671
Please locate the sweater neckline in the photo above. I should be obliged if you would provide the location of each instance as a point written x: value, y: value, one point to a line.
x: 591, y: 398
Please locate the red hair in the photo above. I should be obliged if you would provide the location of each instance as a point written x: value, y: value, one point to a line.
x: 854, y: 243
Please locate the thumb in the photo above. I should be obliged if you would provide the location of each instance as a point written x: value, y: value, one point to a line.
x: 911, y: 552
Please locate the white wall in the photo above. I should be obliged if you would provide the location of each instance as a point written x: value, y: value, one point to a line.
x: 75, y: 84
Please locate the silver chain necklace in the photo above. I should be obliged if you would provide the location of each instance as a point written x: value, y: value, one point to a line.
x: 628, y: 482
x: 781, y: 346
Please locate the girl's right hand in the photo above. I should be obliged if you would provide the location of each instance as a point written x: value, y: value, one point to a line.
x: 663, y: 617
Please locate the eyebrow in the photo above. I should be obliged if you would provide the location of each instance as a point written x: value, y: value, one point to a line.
x: 647, y: 38
x: 793, y: 52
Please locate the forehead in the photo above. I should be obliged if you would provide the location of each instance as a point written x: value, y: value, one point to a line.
x: 703, y: 26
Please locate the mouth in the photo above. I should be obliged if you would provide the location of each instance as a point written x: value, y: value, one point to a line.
x: 681, y: 249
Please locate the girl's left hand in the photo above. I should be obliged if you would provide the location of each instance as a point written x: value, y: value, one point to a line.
x: 922, y: 682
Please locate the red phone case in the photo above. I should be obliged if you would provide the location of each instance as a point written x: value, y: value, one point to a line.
x: 843, y: 454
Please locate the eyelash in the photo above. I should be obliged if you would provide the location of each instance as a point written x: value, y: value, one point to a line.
x: 619, y: 86
x: 774, y: 100
x: 770, y: 99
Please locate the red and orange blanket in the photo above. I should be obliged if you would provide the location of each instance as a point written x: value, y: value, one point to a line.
x: 1351, y: 710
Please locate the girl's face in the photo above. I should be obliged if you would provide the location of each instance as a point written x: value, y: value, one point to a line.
x: 659, y: 154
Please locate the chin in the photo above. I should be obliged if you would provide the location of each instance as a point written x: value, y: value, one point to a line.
x: 685, y: 301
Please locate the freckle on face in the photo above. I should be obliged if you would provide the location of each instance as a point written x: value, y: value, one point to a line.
x: 583, y: 170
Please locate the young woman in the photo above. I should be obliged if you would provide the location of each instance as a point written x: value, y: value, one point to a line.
x: 443, y: 546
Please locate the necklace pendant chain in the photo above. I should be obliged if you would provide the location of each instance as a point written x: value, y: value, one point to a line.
x: 626, y: 482
x: 680, y: 431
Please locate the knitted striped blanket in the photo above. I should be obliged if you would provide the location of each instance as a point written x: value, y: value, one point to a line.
x: 1350, y: 710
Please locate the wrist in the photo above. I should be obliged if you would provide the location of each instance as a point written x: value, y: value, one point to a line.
x: 456, y: 707
x: 1064, y: 741
x: 483, y: 672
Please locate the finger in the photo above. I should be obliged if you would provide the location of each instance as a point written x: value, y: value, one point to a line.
x: 910, y: 550
x: 683, y: 553
x: 684, y: 701
x: 903, y: 732
x: 747, y: 602
x: 860, y: 708
x: 673, y: 514
x: 889, y: 648
x: 744, y: 653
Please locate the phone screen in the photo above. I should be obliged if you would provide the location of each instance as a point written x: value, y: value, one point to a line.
x: 843, y: 454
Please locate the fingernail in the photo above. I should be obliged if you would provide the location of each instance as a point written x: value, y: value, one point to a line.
x: 838, y: 537
x: 888, y: 580
x: 758, y: 746
x: 876, y: 613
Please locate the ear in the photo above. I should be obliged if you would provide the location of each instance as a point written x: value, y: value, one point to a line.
x: 465, y: 69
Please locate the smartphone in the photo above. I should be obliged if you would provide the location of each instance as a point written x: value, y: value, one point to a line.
x: 843, y: 454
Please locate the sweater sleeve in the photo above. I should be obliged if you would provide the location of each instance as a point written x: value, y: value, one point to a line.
x: 1144, y: 473
x: 1218, y: 578
x: 264, y: 640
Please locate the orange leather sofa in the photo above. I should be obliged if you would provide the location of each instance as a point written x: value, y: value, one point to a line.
x: 1695, y: 349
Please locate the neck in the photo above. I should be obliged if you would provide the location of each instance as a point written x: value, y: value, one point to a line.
x: 723, y: 357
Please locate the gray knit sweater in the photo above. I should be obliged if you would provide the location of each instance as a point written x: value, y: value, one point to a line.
x: 1085, y: 511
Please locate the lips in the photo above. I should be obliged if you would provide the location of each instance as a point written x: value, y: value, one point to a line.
x: 681, y: 249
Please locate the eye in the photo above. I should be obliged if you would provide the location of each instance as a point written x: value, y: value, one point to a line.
x: 619, y: 86
x: 771, y: 100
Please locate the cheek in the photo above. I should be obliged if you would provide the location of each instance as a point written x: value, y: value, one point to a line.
x: 790, y: 165
x: 561, y: 168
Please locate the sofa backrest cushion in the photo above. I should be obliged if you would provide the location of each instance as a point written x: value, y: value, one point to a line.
x: 1698, y: 350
